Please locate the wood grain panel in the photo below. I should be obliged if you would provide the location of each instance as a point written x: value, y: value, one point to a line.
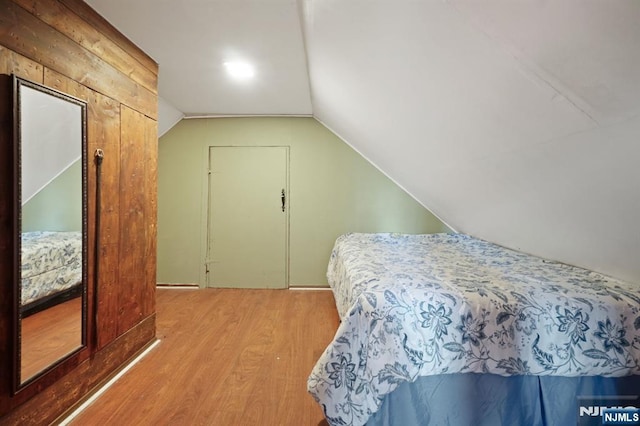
x: 96, y: 21
x: 13, y: 63
x: 104, y: 133
x: 64, y: 84
x: 25, y: 34
x: 147, y: 295
x: 57, y: 15
x: 132, y: 214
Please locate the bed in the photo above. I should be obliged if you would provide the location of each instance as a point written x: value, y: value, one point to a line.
x: 51, y: 269
x: 450, y: 329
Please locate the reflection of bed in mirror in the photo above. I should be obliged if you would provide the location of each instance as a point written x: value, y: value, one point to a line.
x: 51, y: 269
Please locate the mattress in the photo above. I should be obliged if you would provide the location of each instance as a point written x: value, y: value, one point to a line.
x: 421, y: 305
x: 51, y: 262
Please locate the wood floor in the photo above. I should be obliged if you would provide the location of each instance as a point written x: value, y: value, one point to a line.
x: 50, y: 335
x: 226, y: 357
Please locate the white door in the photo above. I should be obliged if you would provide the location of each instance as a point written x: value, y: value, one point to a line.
x: 248, y: 217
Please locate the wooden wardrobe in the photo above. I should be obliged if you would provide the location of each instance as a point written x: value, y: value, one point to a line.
x: 66, y: 45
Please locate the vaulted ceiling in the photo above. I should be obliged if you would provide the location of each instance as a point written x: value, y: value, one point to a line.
x: 514, y: 121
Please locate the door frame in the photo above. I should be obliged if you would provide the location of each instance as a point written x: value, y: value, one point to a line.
x: 204, y: 211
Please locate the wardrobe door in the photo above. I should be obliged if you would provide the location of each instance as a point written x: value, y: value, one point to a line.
x: 138, y: 206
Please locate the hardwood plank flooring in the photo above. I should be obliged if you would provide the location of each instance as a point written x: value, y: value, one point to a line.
x: 226, y: 357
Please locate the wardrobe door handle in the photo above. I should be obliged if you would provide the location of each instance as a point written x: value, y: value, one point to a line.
x: 283, y: 198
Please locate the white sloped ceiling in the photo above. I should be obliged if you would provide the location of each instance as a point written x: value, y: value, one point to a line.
x: 514, y: 121
x: 192, y: 39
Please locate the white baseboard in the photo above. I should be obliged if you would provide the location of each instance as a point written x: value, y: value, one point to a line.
x: 310, y: 288
x: 107, y: 385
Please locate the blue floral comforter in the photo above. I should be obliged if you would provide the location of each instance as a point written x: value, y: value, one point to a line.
x: 419, y: 305
x: 50, y: 262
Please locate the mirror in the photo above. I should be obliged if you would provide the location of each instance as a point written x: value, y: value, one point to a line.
x: 50, y: 229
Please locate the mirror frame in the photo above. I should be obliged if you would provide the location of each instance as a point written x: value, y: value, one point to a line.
x: 17, y: 383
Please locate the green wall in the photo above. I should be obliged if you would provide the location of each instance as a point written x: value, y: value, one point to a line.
x: 58, y: 206
x: 333, y: 190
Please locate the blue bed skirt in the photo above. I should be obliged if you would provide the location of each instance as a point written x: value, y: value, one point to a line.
x: 491, y: 400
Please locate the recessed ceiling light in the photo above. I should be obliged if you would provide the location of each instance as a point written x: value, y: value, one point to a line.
x: 240, y: 70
